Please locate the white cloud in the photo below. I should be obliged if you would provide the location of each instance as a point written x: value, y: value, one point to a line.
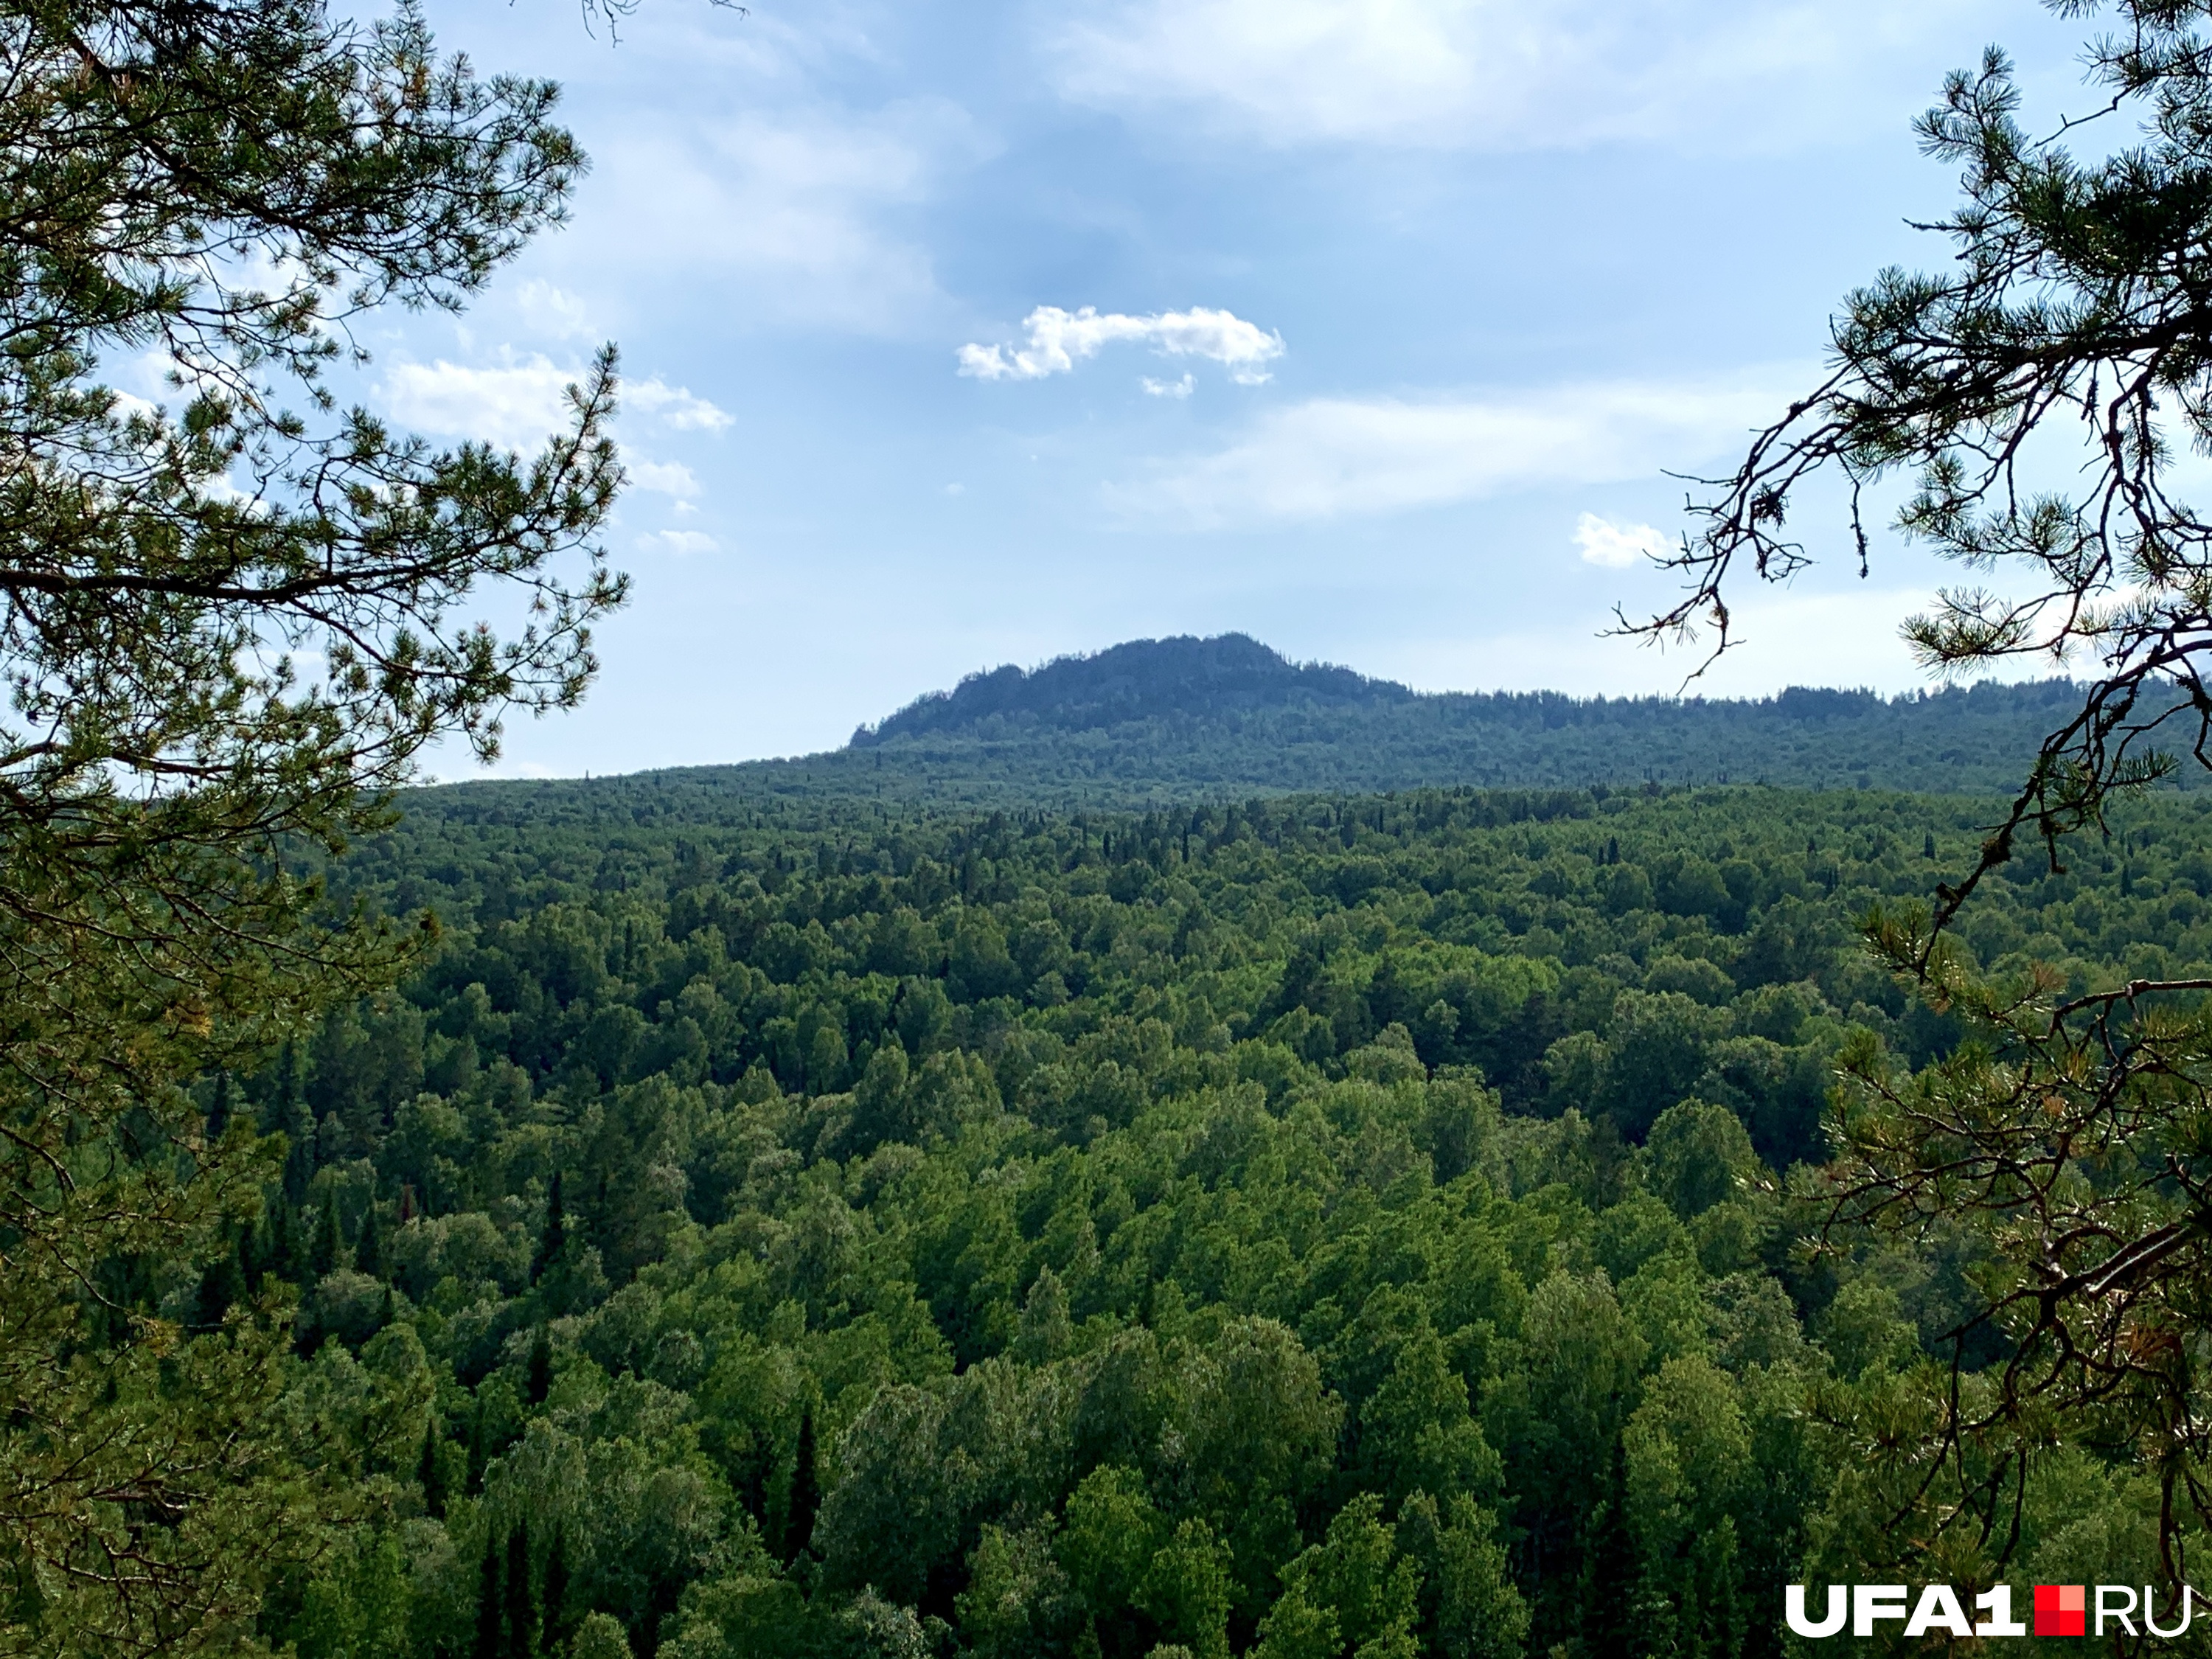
x: 675, y: 405
x: 514, y: 406
x: 678, y: 542
x: 226, y: 490
x: 663, y: 478
x: 1058, y: 340
x: 1182, y: 388
x: 1331, y: 457
x: 552, y: 311
x: 1501, y: 74
x: 152, y: 371
x: 799, y: 216
x: 1618, y: 546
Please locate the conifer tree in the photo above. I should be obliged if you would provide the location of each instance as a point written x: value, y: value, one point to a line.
x: 555, y: 1595
x: 229, y: 623
x: 2071, y: 311
x: 490, y: 1604
x: 281, y: 1251
x: 430, y: 1472
x: 222, y: 1286
x: 327, y: 1254
x: 805, y: 1492
x: 368, y: 1246
x: 538, y: 1378
x: 219, y: 1108
x: 1607, y: 1591
x: 554, y: 1238
x: 298, y: 1124
x: 478, y: 1452
x: 521, y: 1613
x: 252, y: 1253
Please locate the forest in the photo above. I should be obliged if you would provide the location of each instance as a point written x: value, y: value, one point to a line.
x: 1334, y: 1226
x: 1173, y: 1154
x: 1150, y: 721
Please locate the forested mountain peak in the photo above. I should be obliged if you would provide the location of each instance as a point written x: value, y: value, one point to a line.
x: 1140, y: 679
x: 1188, y: 717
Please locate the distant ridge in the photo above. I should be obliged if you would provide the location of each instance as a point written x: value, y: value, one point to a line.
x: 1183, y: 677
x: 1153, y: 722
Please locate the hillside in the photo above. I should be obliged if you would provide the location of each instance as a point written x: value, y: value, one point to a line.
x: 1181, y: 678
x: 1154, y: 721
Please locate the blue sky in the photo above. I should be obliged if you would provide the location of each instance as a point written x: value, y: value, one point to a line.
x: 1403, y: 308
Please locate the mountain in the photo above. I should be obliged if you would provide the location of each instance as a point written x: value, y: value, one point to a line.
x: 1178, y: 679
x: 1185, y: 719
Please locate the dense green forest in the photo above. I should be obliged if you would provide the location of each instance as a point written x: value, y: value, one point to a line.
x: 1317, y: 1226
x: 1153, y: 720
x: 1170, y: 1155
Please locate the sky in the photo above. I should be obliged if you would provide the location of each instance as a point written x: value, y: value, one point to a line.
x: 963, y: 334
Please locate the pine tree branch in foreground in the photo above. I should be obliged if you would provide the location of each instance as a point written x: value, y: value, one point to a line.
x: 227, y: 631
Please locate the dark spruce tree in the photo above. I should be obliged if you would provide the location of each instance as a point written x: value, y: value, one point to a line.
x: 554, y: 1237
x: 538, y: 1375
x: 1610, y: 1620
x: 298, y: 1124
x: 490, y: 1604
x: 521, y: 1611
x: 368, y: 1246
x: 222, y: 1287
x: 479, y: 1453
x: 219, y: 1107
x: 554, y: 1630
x: 430, y: 1470
x: 281, y: 1249
x: 327, y: 1254
x: 806, y: 1504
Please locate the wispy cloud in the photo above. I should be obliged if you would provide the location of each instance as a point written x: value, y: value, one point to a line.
x: 1182, y: 388
x: 516, y: 403
x: 1492, y: 73
x: 675, y: 405
x: 663, y: 478
x: 553, y: 312
x: 1058, y: 340
x: 807, y: 215
x: 1333, y: 457
x: 1617, y: 546
x: 682, y: 542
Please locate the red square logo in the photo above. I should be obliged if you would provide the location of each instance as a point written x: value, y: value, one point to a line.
x: 2062, y: 1610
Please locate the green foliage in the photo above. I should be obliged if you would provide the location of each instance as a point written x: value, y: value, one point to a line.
x: 224, y: 188
x: 1163, y: 743
x: 2070, y: 292
x: 1366, y: 1234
